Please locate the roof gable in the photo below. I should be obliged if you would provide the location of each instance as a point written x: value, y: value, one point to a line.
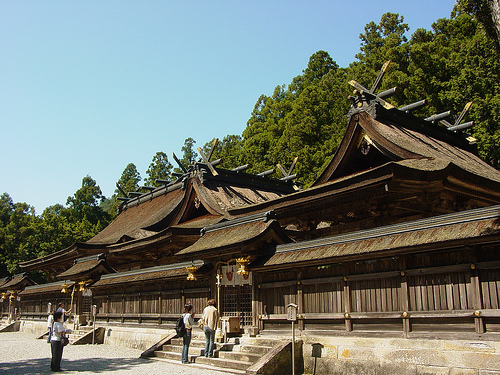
x: 376, y: 135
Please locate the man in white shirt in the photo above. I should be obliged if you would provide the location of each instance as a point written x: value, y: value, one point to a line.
x: 210, y: 318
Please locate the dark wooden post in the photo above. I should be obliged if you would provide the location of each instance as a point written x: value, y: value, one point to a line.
x: 255, y: 300
x: 477, y: 300
x: 300, y: 301
x: 405, y: 304
x: 347, y: 303
x: 123, y: 308
x: 160, y: 307
x: 139, y: 317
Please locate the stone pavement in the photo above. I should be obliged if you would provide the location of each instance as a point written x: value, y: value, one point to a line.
x: 21, y: 353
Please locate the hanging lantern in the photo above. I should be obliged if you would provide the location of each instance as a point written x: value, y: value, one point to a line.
x: 82, y: 286
x: 191, y: 273
x: 12, y: 295
x: 4, y: 295
x: 243, y: 266
x: 64, y: 288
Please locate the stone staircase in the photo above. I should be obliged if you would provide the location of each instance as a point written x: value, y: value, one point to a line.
x: 9, y: 327
x: 77, y: 334
x: 235, y: 356
x: 82, y: 335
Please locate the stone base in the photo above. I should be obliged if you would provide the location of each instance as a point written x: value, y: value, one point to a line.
x: 356, y: 355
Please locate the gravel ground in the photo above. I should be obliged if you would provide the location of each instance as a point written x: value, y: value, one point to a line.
x: 21, y: 353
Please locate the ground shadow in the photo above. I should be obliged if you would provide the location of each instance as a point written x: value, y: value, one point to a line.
x: 94, y: 365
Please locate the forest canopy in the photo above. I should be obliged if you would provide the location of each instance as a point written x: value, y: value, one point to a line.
x: 455, y: 62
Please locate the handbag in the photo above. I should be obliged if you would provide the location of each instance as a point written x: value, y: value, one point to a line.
x: 64, y: 340
x: 201, y: 323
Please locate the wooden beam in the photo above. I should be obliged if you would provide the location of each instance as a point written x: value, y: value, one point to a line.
x: 212, y: 149
x: 179, y: 163
x: 380, y: 76
x: 207, y: 162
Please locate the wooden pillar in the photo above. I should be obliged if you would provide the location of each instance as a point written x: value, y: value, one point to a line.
x: 123, y: 308
x: 183, y: 299
x: 477, y: 300
x: 255, y: 300
x: 139, y: 318
x: 347, y: 303
x: 405, y: 304
x: 160, y: 307
x: 300, y: 301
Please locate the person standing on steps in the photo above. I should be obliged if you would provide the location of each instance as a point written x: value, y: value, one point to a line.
x: 188, y: 317
x: 210, y: 320
x: 64, y: 312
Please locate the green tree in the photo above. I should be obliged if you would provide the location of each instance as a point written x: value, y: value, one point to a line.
x: 189, y: 154
x: 487, y: 12
x: 160, y: 168
x: 129, y: 180
x: 380, y: 43
x: 228, y: 150
x: 452, y: 65
x: 85, y: 203
x: 15, y: 220
x: 305, y: 120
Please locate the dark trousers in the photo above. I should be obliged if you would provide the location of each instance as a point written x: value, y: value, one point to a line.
x: 209, y: 343
x: 186, y: 340
x: 57, y: 350
x: 50, y: 334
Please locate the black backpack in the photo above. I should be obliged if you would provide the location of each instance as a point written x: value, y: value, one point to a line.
x: 180, y: 328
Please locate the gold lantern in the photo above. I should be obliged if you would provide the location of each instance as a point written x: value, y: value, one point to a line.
x: 64, y: 288
x: 192, y: 273
x: 243, y: 266
x: 82, y: 286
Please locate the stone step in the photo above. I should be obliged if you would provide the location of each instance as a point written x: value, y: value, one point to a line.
x: 202, y: 367
x: 178, y: 349
x: 224, y: 363
x: 201, y: 344
x: 257, y: 341
x: 194, y: 342
x: 253, y: 349
x: 174, y: 356
x: 239, y: 356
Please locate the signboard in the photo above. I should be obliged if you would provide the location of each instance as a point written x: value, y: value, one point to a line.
x: 292, y: 312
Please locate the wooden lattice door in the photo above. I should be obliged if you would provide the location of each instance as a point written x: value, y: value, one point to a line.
x: 237, y: 301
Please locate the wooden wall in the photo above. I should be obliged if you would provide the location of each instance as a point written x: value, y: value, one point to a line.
x: 34, y: 306
x: 443, y: 291
x: 154, y: 303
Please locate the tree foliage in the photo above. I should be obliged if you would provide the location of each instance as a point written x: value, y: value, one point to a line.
x: 299, y: 120
x: 160, y: 168
x: 228, y: 150
x: 487, y: 12
x: 129, y: 180
x: 189, y: 154
x: 25, y: 236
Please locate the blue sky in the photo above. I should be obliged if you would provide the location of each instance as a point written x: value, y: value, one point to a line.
x: 90, y: 86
